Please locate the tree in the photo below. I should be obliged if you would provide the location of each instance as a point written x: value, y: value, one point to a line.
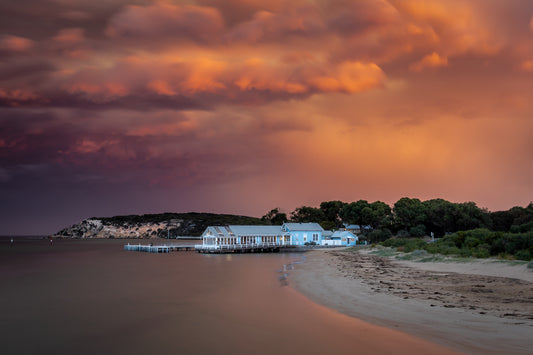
x: 409, y: 213
x: 380, y: 215
x: 275, y: 217
x: 439, y: 216
x: 355, y: 213
x: 502, y: 220
x: 470, y: 216
x: 328, y: 225
x: 332, y: 210
x: 306, y: 214
x: 379, y: 235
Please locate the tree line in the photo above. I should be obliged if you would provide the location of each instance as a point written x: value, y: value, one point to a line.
x: 408, y: 217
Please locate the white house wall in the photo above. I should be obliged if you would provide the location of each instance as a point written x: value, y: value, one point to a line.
x: 230, y: 235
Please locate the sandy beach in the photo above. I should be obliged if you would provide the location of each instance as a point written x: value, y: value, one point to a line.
x: 476, y: 307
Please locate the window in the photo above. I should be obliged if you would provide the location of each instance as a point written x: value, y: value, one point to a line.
x: 315, y: 237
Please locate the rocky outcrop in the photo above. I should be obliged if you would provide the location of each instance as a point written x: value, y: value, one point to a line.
x: 97, y: 228
x: 151, y: 226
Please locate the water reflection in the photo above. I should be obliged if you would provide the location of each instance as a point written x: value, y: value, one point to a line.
x: 288, y: 267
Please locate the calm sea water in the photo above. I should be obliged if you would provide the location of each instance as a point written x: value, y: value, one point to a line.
x: 92, y: 297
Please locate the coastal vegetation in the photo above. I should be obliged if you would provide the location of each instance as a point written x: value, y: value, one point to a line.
x: 461, y: 229
x: 479, y: 243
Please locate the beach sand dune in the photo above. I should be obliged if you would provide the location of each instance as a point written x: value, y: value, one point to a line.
x: 473, y: 307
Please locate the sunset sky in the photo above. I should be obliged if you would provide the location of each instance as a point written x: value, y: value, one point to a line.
x: 239, y: 106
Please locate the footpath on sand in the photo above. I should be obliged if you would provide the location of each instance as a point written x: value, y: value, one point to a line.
x: 474, y: 307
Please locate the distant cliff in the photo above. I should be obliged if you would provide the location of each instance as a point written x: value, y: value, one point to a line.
x: 152, y: 225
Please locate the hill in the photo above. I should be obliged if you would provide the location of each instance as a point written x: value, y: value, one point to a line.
x: 160, y: 225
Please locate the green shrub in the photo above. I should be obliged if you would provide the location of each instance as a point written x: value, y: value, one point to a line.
x: 483, y: 251
x: 465, y: 252
x: 479, y: 243
x: 407, y: 244
x: 414, y: 244
x: 515, y: 229
x: 418, y: 232
x: 402, y: 233
x: 419, y: 252
x: 379, y: 235
x: 523, y: 255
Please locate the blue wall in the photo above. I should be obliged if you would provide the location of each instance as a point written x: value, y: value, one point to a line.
x: 302, y: 237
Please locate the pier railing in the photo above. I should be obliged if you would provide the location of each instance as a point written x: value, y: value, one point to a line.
x: 229, y: 248
x: 164, y: 248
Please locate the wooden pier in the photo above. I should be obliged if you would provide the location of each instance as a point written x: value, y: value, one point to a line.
x: 166, y: 248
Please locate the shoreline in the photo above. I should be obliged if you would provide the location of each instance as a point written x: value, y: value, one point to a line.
x: 468, y: 307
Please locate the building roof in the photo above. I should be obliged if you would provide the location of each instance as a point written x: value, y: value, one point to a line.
x: 257, y: 230
x: 356, y: 226
x: 327, y: 233
x: 343, y: 234
x: 237, y: 231
x: 306, y: 227
x: 352, y: 226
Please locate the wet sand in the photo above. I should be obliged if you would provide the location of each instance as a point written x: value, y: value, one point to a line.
x: 473, y: 307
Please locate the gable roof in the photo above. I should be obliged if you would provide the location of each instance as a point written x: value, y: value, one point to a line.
x: 343, y: 234
x: 305, y: 227
x: 257, y: 230
x: 327, y: 233
x: 355, y: 226
x: 237, y: 231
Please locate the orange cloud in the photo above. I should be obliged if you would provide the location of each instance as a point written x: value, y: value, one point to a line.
x: 457, y: 27
x: 15, y: 43
x: 161, y: 87
x: 432, y: 60
x: 16, y: 97
x: 256, y: 74
x: 205, y: 75
x: 349, y: 77
x: 70, y: 36
x: 527, y: 65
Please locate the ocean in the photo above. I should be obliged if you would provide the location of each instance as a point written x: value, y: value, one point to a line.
x: 92, y: 297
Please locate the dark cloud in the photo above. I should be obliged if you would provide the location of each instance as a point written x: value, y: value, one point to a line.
x: 304, y: 21
x: 358, y: 18
x: 164, y: 20
x: 24, y: 70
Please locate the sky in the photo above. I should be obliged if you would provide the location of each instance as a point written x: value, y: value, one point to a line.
x: 239, y: 106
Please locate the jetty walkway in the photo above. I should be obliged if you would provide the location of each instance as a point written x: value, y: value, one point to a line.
x: 223, y: 249
x: 165, y: 248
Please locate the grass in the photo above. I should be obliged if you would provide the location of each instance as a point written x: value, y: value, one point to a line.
x: 510, y: 262
x: 425, y: 258
x: 420, y: 256
x: 385, y: 252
